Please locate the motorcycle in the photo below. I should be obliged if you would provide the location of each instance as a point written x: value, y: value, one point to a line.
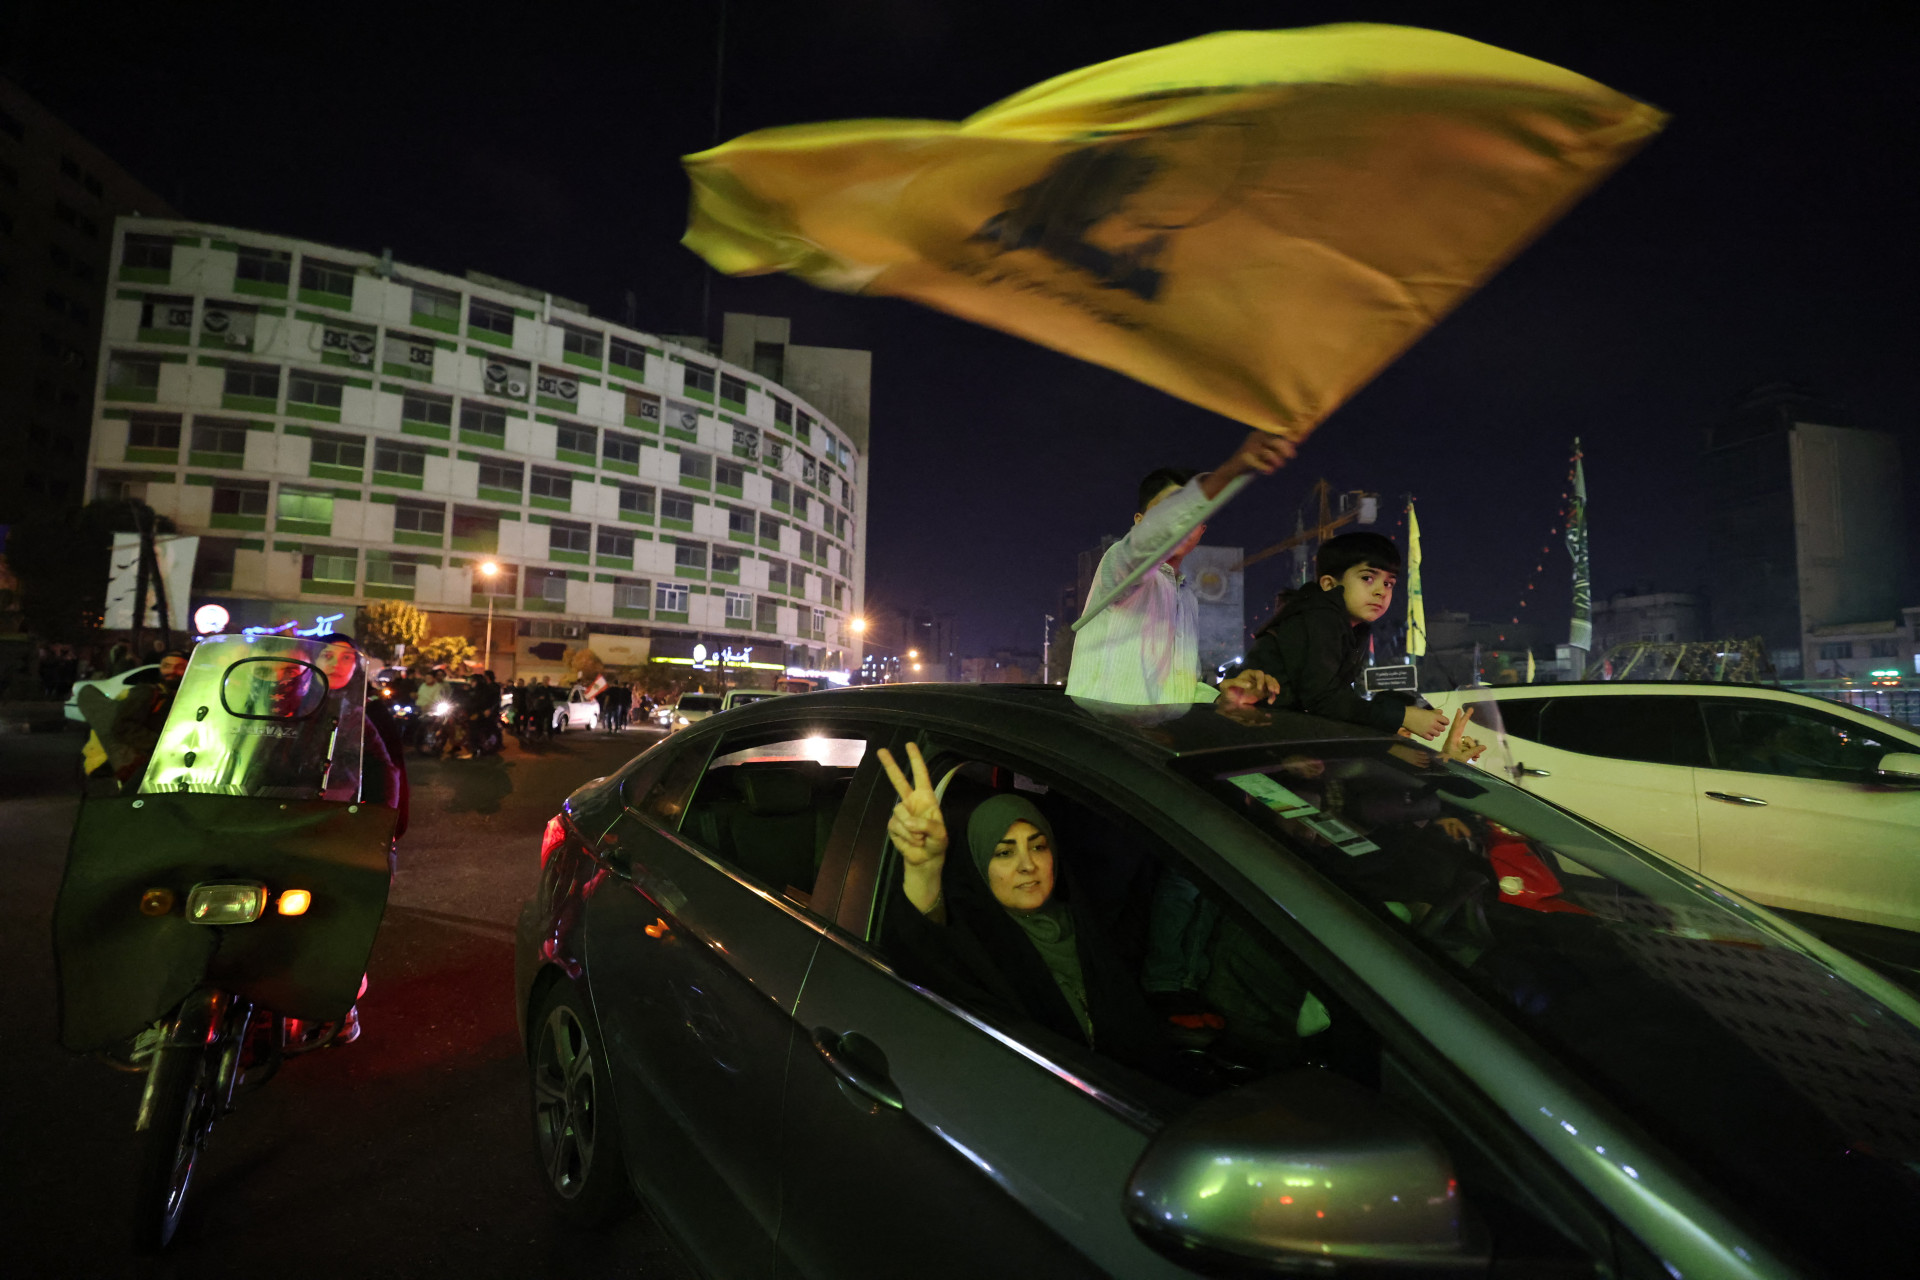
x: 218, y: 920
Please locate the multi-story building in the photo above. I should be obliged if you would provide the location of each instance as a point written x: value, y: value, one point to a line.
x: 340, y: 428
x: 59, y: 195
x: 1658, y: 617
x: 1805, y: 523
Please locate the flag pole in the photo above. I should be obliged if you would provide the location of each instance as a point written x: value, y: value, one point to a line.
x: 1165, y: 549
x: 1580, y: 631
x: 1416, y: 645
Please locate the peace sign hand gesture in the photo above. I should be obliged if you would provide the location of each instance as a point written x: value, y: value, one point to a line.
x: 917, y: 828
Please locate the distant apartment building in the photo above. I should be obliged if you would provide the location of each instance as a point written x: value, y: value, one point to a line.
x: 59, y: 196
x: 1660, y: 617
x: 1805, y: 526
x: 339, y: 428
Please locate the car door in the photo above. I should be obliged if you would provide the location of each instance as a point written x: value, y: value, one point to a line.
x: 919, y: 1139
x: 1622, y: 760
x: 1791, y: 816
x: 694, y: 970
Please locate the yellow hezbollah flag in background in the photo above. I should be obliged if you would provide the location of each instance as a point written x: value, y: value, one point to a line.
x: 1255, y: 221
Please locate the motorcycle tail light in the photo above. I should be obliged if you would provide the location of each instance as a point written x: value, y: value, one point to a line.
x: 226, y: 902
x: 551, y: 838
x: 294, y: 902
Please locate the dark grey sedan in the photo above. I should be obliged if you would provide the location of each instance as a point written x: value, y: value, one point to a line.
x: 1151, y: 992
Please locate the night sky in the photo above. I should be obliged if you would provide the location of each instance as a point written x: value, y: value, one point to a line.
x: 1766, y: 236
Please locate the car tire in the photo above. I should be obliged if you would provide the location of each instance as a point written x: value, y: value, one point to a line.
x: 576, y: 1132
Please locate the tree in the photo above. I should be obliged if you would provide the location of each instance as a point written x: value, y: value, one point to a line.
x: 60, y: 562
x: 455, y: 653
x: 386, y: 624
x: 585, y: 664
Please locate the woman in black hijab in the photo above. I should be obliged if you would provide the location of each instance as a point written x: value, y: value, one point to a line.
x: 1003, y: 931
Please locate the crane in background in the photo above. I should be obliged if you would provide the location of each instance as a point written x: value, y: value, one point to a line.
x: 1356, y: 506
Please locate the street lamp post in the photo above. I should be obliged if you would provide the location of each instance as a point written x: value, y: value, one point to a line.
x: 488, y: 570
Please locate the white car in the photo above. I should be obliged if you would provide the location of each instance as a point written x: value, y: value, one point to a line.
x: 741, y: 697
x: 691, y: 709
x: 1798, y: 803
x: 113, y: 687
x: 578, y: 711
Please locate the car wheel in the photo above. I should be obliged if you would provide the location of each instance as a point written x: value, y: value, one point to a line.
x: 574, y: 1124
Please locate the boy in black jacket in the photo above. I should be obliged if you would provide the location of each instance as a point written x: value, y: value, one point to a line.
x: 1316, y: 645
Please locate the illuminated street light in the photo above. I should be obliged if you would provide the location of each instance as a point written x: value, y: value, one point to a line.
x: 913, y: 653
x: 858, y: 625
x: 488, y: 569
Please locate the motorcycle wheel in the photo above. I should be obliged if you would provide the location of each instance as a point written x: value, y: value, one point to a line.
x: 573, y: 1118
x: 181, y: 1117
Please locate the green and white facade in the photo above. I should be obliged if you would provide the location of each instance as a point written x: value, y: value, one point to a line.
x: 340, y: 428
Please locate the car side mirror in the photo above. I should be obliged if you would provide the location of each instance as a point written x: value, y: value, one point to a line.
x: 1898, y: 767
x: 1303, y: 1171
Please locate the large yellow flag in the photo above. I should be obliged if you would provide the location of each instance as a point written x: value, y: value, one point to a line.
x: 1255, y: 221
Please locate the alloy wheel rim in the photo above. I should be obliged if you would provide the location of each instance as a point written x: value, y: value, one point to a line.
x: 564, y: 1086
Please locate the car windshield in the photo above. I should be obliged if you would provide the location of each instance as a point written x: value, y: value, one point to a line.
x: 1793, y: 1087
x: 700, y: 702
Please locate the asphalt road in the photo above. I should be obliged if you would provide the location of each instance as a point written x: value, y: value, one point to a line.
x: 409, y: 1153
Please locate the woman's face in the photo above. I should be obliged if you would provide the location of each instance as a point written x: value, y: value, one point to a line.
x: 1020, y: 873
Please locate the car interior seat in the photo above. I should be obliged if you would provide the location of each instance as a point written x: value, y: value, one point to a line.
x: 771, y: 819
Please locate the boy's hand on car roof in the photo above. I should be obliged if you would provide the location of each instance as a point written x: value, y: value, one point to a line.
x: 1424, y: 722
x: 1247, y: 689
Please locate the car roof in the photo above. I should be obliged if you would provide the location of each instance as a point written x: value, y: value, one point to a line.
x: 1709, y: 688
x: 1015, y: 709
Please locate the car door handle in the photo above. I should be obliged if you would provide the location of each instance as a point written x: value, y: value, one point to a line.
x: 1728, y: 798
x: 860, y: 1067
x: 1521, y: 771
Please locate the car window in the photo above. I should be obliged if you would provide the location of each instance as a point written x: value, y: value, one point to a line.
x: 700, y: 702
x: 1789, y: 1085
x: 1756, y: 736
x: 1649, y: 729
x: 1517, y: 716
x: 661, y: 793
x: 1139, y: 972
x: 767, y: 804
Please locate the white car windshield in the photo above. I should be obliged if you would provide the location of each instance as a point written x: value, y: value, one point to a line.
x: 1792, y: 1083
x: 700, y: 702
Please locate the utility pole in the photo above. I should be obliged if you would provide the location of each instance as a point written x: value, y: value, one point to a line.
x: 1046, y: 650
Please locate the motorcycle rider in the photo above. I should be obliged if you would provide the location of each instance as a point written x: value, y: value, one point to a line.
x: 483, y: 716
x: 136, y: 724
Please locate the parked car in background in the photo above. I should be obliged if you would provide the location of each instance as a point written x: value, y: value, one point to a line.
x: 1564, y: 1057
x: 1805, y: 805
x: 746, y: 697
x: 111, y: 687
x: 691, y: 708
x: 575, y: 710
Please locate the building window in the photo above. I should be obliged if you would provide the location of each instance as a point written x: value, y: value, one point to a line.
x: 335, y: 565
x: 806, y: 544
x: 304, y: 511
x: 614, y: 541
x: 777, y: 575
x: 436, y: 304
x: 615, y: 447
x: 310, y: 388
x: 1883, y: 648
x: 670, y: 597
x: 819, y: 624
x: 475, y: 529
x: 676, y: 506
x: 265, y: 266
x: 575, y: 439
x: 551, y: 484
x: 729, y: 475
x: 766, y: 614
x: 153, y: 431
x: 725, y: 559
x: 256, y: 381
x: 167, y: 316
x: 503, y: 377
x: 769, y: 530
x: 551, y: 585
x: 417, y: 406
x: 580, y: 342
x: 420, y: 518
x: 740, y: 521
x: 690, y: 555
x: 627, y: 355
x: 630, y: 594
x: 803, y: 428
x: 330, y: 450
x: 132, y: 373
x: 148, y: 253
x: 326, y: 277
x: 739, y: 606
x: 490, y: 317
x: 800, y: 505
x: 502, y: 476
x: 504, y: 583
x: 699, y: 378
x: 399, y: 459
x: 695, y: 466
x: 227, y: 439
x: 636, y: 500
x: 733, y: 389
x: 746, y: 440
x: 392, y: 571
x: 240, y: 499
x: 783, y: 414
x: 480, y: 420
x: 1836, y: 649
x: 770, y: 360
x: 564, y: 535
x: 643, y: 408
x: 783, y: 493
